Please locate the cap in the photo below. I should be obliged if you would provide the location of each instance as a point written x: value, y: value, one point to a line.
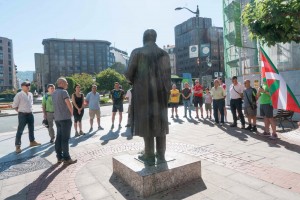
x: 25, y: 83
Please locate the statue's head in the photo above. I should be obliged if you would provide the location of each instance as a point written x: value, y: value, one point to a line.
x: 149, y: 36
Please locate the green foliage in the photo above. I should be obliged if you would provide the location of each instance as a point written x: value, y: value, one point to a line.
x: 33, y: 87
x: 8, y: 92
x: 119, y: 67
x: 273, y: 21
x: 71, y: 84
x: 108, y: 77
x: 104, y: 100
x: 85, y: 81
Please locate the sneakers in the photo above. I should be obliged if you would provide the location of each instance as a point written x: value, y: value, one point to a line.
x: 120, y: 126
x: 81, y: 133
x: 100, y: 128
x: 221, y: 124
x: 91, y: 129
x: 59, y: 161
x: 18, y: 149
x: 184, y: 116
x: 70, y: 161
x: 197, y: 117
x: 172, y: 116
x: 266, y: 134
x: 52, y: 140
x: 243, y: 126
x: 202, y: 116
x: 274, y: 136
x: 249, y: 127
x: 254, y: 129
x: 77, y: 134
x: 34, y: 143
x: 112, y: 127
x: 233, y: 125
x: 176, y: 116
x: 127, y: 125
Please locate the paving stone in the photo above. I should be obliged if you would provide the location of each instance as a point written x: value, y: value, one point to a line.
x: 94, y: 191
x: 247, y: 180
x: 249, y: 193
x: 279, y: 193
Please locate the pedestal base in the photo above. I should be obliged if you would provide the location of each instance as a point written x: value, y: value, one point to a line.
x: 148, y: 180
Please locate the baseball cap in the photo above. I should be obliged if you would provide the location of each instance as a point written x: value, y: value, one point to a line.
x: 25, y: 83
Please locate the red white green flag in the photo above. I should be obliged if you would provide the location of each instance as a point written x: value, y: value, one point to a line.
x: 281, y: 94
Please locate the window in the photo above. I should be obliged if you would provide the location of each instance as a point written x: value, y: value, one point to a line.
x: 9, y: 56
x: 9, y: 43
x: 1, y: 61
x: 9, y: 63
x: 1, y: 56
x: 1, y: 75
x: 9, y: 50
x: 0, y: 41
x: 1, y: 48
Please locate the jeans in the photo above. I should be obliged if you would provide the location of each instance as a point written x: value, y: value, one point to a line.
x: 187, y: 103
x: 62, y: 139
x: 236, y: 104
x: 218, y: 105
x: 25, y: 118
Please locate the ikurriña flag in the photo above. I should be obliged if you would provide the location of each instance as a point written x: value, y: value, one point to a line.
x: 281, y: 94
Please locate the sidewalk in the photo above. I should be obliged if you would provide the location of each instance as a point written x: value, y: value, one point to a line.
x: 236, y: 164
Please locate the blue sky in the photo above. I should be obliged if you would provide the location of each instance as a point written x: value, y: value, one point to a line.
x: 122, y: 22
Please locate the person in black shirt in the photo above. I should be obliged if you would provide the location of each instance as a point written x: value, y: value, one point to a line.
x: 186, y: 95
x: 117, y: 96
x: 78, y: 109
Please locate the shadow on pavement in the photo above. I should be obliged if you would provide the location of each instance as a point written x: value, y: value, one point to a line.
x: 127, y: 134
x: 111, y: 135
x: 178, y: 192
x: 76, y: 140
x: 27, y: 153
x: 192, y: 120
x: 34, y: 189
x: 178, y: 120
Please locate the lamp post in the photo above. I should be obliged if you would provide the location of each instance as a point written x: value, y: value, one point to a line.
x: 196, y: 12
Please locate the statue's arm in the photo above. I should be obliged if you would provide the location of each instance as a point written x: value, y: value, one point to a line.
x: 132, y: 66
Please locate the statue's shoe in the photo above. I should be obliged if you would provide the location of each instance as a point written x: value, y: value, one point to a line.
x: 147, y: 159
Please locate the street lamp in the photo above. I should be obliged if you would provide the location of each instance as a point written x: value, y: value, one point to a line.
x: 196, y: 12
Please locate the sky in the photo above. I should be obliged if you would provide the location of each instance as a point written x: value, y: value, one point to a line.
x: 121, y: 22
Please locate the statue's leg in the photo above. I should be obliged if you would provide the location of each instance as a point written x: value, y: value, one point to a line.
x: 148, y: 155
x: 161, y: 147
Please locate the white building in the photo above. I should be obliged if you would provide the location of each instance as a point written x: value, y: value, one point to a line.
x: 120, y: 56
x: 170, y: 49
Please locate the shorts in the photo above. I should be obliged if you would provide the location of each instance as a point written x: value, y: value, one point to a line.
x: 93, y: 113
x: 249, y: 112
x: 118, y: 107
x: 266, y: 110
x: 208, y: 106
x: 174, y: 105
x: 198, y: 101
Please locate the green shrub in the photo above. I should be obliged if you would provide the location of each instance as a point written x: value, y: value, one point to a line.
x: 104, y: 100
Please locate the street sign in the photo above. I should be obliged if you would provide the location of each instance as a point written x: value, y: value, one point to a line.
x: 193, y: 51
x: 216, y: 74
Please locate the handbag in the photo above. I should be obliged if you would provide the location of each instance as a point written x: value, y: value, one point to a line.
x: 253, y: 106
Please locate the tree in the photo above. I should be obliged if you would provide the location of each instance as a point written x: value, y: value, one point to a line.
x: 273, y: 21
x: 108, y: 77
x: 119, y: 67
x: 33, y: 87
x: 71, y: 85
x: 84, y: 80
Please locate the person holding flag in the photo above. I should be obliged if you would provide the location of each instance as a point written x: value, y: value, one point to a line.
x: 266, y: 110
x: 274, y: 92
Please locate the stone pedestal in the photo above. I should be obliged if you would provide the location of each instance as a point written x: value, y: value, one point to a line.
x: 148, y: 180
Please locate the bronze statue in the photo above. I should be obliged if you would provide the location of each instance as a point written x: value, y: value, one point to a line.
x: 149, y: 72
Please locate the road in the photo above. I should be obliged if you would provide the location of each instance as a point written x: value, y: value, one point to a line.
x: 10, y: 123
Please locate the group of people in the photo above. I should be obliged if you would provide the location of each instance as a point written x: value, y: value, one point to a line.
x: 215, y: 98
x: 59, y: 108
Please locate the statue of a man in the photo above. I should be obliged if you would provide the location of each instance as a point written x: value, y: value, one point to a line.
x: 149, y: 72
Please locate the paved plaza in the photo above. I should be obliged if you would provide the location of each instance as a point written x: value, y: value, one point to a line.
x: 236, y: 164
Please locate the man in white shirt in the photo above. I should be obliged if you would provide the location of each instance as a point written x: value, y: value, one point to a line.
x: 236, y: 95
x: 23, y: 105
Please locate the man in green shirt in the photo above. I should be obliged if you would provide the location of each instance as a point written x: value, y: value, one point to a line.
x: 266, y: 110
x: 48, y: 110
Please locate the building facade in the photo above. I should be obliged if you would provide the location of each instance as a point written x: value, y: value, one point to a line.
x: 8, y: 70
x: 64, y: 57
x: 170, y: 49
x: 120, y: 56
x: 199, y: 48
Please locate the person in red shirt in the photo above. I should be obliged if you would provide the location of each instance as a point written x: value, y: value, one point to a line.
x: 198, y: 98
